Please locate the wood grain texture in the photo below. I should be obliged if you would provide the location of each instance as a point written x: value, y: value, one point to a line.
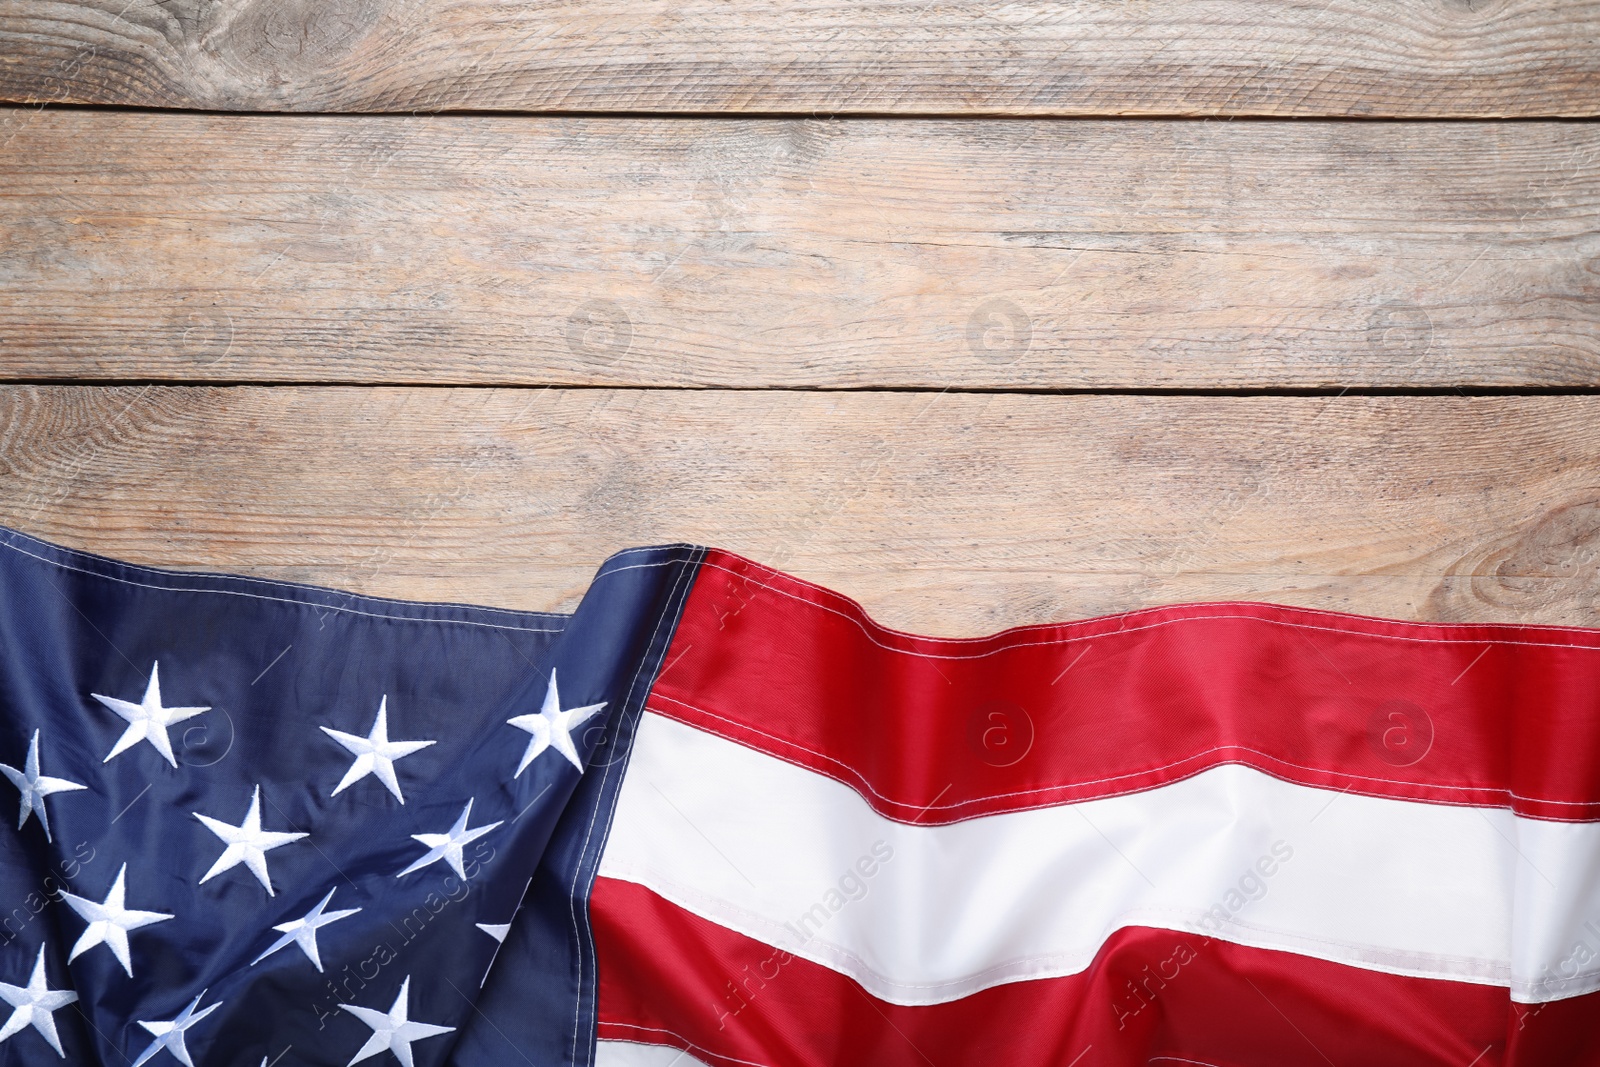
x: 955, y: 514
x: 1082, y: 57
x: 968, y: 253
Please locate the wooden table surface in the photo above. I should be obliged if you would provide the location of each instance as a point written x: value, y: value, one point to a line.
x: 984, y: 315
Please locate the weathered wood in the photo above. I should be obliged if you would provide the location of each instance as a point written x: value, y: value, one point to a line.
x: 955, y: 513
x: 1102, y: 57
x: 978, y: 253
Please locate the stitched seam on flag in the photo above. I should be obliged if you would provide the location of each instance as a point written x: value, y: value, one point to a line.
x: 164, y: 572
x: 584, y: 933
x: 837, y: 958
x: 870, y: 632
x: 71, y: 553
x: 300, y: 603
x: 604, y: 571
x: 1352, y: 617
x: 692, y: 1047
x: 1037, y: 966
x: 7, y: 533
x: 1577, y: 985
x: 955, y: 804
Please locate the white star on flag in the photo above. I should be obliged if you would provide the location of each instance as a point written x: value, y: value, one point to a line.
x: 169, y: 1035
x: 552, y: 728
x: 498, y: 931
x: 109, y: 922
x: 247, y: 843
x: 447, y: 846
x: 375, y: 754
x: 34, y: 787
x: 391, y: 1030
x: 303, y: 932
x: 33, y: 1004
x: 147, y: 720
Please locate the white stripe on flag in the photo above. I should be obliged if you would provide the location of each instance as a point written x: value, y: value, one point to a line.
x: 629, y: 1054
x: 927, y: 914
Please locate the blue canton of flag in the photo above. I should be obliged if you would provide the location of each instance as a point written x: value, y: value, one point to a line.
x: 264, y: 823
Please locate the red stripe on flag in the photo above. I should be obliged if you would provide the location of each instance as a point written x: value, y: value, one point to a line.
x: 670, y: 977
x: 937, y: 730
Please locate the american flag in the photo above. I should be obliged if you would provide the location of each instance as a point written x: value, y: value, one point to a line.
x: 718, y: 816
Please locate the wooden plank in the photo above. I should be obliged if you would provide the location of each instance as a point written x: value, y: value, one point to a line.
x: 1089, y: 57
x: 973, y: 253
x: 954, y: 513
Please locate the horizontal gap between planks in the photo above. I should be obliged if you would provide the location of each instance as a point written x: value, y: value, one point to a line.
x: 748, y: 116
x: 1248, y: 391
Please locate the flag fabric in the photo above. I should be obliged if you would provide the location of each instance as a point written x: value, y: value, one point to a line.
x: 718, y: 816
x: 262, y: 822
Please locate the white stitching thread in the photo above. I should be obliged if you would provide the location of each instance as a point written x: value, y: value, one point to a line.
x: 307, y: 603
x: 585, y: 938
x: 693, y: 1048
x: 841, y: 960
x: 867, y: 627
x: 657, y: 696
x: 870, y: 629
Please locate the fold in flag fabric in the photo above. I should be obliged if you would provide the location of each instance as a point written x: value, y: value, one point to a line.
x: 718, y: 816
